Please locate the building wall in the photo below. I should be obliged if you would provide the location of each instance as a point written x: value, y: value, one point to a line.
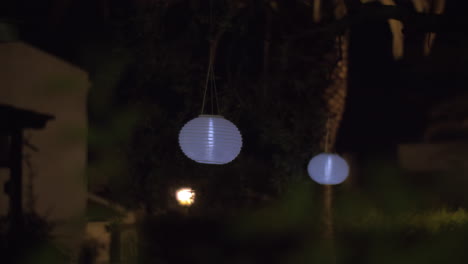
x: 98, y: 233
x: 35, y: 80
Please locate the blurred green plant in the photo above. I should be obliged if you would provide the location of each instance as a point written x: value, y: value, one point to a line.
x: 33, y: 244
x: 8, y: 32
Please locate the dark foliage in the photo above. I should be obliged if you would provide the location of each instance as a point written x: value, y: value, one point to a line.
x: 160, y: 65
x: 16, y: 247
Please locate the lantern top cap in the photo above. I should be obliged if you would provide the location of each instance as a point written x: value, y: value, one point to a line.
x: 215, y: 116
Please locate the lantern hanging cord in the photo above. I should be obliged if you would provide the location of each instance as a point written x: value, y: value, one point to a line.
x: 211, y: 91
x: 211, y: 56
x: 213, y: 78
x: 206, y: 86
x: 210, y: 79
x: 327, y: 133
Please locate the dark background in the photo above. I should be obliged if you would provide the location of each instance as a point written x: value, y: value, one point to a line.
x: 147, y: 63
x: 388, y: 100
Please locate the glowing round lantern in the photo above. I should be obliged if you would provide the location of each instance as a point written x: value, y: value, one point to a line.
x: 327, y: 168
x: 210, y: 139
x: 185, y: 196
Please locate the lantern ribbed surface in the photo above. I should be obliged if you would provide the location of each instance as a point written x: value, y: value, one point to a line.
x: 210, y: 139
x: 328, y: 169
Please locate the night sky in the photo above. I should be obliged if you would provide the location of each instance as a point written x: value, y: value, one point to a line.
x: 388, y: 100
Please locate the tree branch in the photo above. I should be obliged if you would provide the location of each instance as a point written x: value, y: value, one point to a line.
x: 222, y: 29
x: 414, y: 22
x: 266, y: 49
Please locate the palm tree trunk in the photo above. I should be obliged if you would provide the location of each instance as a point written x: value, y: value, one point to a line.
x: 334, y: 97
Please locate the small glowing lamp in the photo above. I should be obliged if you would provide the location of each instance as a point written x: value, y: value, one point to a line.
x: 185, y: 196
x: 328, y: 169
x: 210, y: 139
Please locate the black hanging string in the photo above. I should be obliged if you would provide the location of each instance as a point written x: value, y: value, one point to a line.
x: 215, y: 90
x: 210, y: 76
x: 211, y: 90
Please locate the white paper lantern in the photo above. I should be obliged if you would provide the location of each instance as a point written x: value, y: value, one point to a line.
x: 327, y: 168
x: 210, y: 139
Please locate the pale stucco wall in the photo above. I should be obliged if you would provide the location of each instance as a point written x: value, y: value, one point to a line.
x: 35, y: 80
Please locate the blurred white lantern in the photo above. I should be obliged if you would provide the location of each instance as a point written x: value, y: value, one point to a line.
x: 327, y: 168
x: 210, y: 139
x: 185, y: 196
